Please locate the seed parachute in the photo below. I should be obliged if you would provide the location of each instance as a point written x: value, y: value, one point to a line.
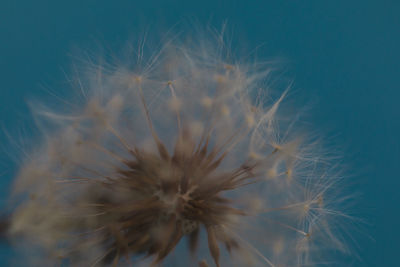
x: 181, y: 160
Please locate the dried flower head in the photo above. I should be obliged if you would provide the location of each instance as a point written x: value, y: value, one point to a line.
x: 185, y: 147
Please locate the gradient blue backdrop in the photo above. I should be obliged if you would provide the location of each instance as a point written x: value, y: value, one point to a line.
x: 342, y: 54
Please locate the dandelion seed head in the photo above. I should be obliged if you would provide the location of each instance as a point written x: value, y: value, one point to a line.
x: 189, y: 148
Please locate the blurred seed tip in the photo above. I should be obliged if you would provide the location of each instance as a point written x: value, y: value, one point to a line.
x: 183, y: 157
x: 4, y: 224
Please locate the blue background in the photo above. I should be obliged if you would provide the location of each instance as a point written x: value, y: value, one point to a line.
x: 344, y: 55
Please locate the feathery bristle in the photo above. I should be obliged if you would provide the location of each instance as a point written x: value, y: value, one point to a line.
x: 188, y: 148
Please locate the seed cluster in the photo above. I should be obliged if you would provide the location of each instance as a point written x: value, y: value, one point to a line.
x: 188, y: 147
x: 172, y: 196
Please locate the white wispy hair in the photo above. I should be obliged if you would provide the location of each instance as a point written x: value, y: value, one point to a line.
x: 186, y: 144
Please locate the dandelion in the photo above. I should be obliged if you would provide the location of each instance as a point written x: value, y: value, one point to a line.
x: 182, y: 160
